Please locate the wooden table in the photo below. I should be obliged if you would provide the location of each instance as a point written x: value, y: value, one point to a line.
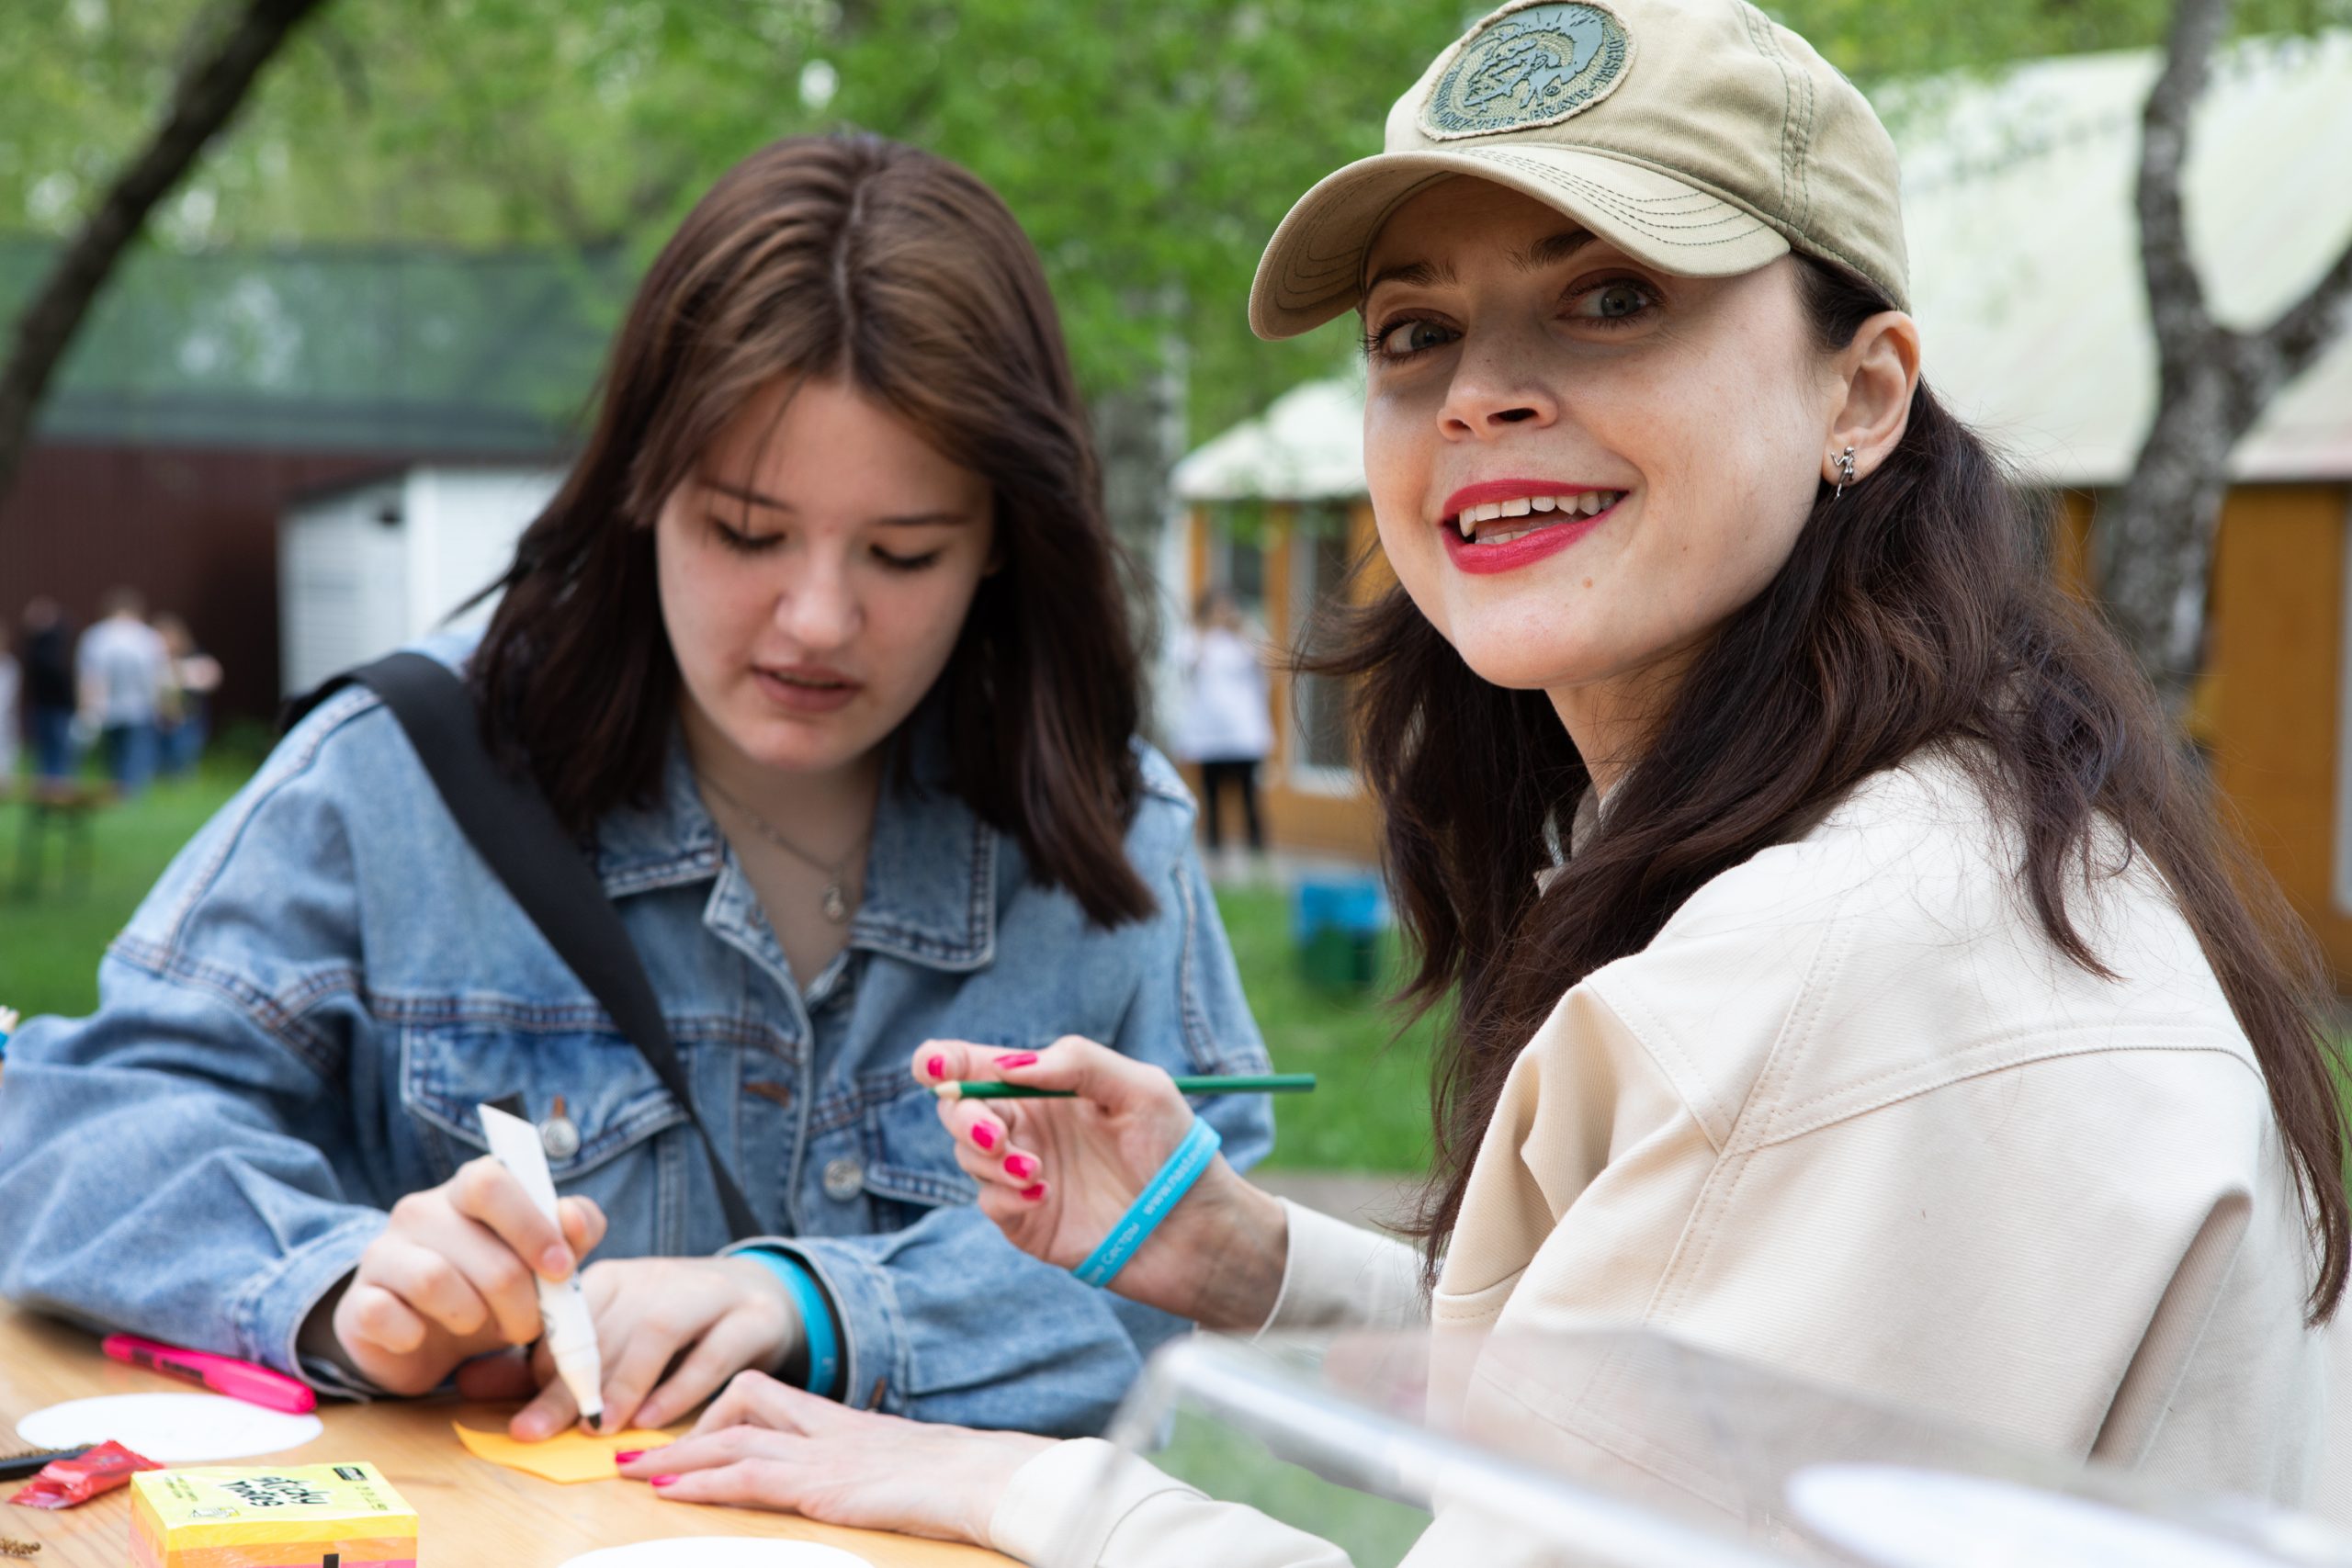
x: 471, y: 1514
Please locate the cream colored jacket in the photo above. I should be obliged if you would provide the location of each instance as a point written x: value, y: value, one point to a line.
x: 1852, y: 1116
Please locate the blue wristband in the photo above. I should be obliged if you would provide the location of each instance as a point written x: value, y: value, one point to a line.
x: 815, y: 1318
x: 1160, y: 1194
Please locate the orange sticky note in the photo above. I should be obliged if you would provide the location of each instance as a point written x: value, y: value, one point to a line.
x: 567, y: 1457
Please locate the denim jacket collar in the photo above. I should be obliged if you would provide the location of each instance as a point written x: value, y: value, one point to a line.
x: 931, y: 873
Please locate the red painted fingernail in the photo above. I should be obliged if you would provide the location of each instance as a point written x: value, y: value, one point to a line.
x: 1034, y: 1193
x: 1018, y: 1059
x: 1021, y: 1167
x: 984, y: 1134
x: 628, y: 1456
x: 936, y: 1067
x: 664, y: 1480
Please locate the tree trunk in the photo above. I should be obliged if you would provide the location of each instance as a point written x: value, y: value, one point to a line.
x: 2153, y: 538
x: 2153, y: 544
x: 216, y: 80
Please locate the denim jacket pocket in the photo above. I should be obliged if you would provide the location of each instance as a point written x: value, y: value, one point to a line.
x: 610, y: 1096
x: 910, y: 1159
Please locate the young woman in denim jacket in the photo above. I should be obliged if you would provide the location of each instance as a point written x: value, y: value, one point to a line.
x: 821, y: 651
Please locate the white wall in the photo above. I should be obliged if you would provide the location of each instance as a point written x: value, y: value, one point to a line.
x: 352, y: 587
x: 342, y: 585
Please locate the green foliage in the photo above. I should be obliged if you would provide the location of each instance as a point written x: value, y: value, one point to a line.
x: 1149, y: 148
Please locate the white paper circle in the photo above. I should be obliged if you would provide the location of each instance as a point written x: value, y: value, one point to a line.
x: 170, y: 1429
x: 1899, y: 1518
x: 719, y: 1552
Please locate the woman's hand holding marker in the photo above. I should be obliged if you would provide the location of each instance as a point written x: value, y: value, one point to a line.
x: 1056, y: 1175
x: 673, y: 1331
x: 450, y: 1276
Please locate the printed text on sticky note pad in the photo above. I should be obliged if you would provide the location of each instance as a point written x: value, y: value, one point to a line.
x: 566, y: 1457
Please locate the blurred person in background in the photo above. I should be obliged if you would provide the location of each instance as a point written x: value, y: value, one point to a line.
x: 49, y: 694
x: 1228, y: 728
x: 185, y: 715
x: 122, y: 668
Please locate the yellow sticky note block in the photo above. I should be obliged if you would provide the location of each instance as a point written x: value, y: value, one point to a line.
x: 567, y: 1457
x: 242, y: 1517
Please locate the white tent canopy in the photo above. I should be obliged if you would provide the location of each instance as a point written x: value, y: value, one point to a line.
x: 2025, y: 268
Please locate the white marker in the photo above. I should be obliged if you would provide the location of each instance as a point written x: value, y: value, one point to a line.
x: 563, y: 1311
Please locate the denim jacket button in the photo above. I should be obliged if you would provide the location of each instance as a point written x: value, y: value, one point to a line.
x: 845, y: 1179
x: 559, y: 1136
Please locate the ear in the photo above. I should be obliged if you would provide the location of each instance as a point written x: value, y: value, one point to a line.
x: 1873, y: 380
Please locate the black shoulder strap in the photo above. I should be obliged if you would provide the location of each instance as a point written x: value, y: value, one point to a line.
x: 515, y: 830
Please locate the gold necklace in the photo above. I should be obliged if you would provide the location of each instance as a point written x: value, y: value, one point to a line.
x: 834, y: 900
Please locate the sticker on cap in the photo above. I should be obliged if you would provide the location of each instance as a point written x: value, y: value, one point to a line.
x: 1529, y: 64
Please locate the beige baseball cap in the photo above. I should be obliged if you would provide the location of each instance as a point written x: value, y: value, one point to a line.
x: 1697, y: 136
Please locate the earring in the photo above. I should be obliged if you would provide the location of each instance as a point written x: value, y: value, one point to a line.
x: 1844, y: 463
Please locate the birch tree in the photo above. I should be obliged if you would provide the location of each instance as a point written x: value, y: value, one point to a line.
x: 2152, y: 543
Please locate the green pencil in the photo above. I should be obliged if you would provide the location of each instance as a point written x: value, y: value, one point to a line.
x: 1264, y: 1083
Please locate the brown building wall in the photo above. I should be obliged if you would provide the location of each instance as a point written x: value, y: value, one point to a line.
x: 2271, y: 704
x: 194, y: 529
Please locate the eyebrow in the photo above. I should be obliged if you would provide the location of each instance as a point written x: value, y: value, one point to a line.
x: 1550, y: 251
x: 905, y: 520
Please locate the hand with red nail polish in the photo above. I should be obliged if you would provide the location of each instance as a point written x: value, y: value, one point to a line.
x: 1218, y: 1256
x: 764, y: 1444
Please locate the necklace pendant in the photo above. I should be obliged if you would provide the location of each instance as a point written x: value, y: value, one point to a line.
x: 835, y: 903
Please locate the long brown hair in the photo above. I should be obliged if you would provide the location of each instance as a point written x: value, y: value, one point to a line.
x: 853, y: 257
x: 1913, y: 611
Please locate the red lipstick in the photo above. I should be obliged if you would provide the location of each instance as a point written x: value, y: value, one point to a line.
x: 1541, y: 540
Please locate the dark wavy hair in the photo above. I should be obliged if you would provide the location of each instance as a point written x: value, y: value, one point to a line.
x: 853, y: 257
x: 1914, y: 610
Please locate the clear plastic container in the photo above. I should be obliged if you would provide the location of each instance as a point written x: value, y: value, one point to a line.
x: 1629, y: 1449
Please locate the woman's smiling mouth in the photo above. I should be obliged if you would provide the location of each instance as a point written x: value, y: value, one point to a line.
x: 1503, y: 525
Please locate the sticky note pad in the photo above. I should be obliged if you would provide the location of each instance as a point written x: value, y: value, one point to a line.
x: 256, y: 1516
x: 569, y: 1456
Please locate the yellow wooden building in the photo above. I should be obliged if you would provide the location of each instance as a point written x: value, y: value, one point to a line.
x: 2026, y: 281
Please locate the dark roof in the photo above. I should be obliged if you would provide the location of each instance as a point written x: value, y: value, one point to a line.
x: 346, y: 348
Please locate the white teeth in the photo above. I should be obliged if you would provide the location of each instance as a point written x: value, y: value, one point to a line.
x: 1584, y: 503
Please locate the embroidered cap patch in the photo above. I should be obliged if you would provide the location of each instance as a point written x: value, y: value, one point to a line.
x: 1534, y: 63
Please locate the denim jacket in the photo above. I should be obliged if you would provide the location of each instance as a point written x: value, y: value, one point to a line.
x: 298, y: 1024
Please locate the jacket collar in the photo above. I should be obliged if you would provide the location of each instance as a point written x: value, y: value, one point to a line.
x: 931, y: 873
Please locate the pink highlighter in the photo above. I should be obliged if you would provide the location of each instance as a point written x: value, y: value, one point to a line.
x: 222, y: 1374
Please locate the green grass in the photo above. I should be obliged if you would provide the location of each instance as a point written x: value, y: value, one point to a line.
x: 51, y: 937
x: 1370, y: 1107
x: 1370, y: 1111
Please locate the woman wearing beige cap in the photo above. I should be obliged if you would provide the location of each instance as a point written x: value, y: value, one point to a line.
x: 1850, y: 974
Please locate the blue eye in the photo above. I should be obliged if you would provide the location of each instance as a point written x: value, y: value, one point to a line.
x: 1405, y: 339
x: 1614, y: 302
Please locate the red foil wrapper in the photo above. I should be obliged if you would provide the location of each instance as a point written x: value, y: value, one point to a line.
x: 65, y: 1481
